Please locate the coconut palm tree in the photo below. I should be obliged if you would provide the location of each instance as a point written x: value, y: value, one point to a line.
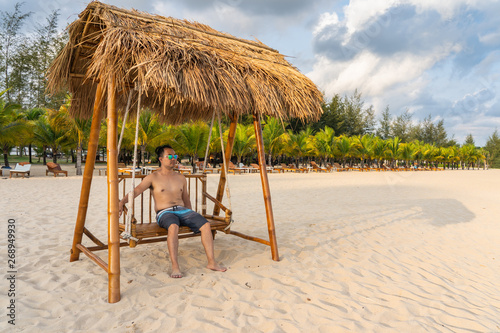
x: 344, y: 147
x: 363, y: 147
x: 150, y: 131
x: 392, y: 150
x: 470, y: 155
x: 299, y: 144
x: 30, y: 116
x: 12, y: 127
x: 244, y: 141
x: 439, y: 153
x: 323, y: 144
x: 52, y: 131
x: 406, y: 152
x: 274, y: 137
x: 190, y: 139
x: 379, y: 150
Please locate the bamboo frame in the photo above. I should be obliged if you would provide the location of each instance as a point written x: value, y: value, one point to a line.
x: 257, y: 80
x: 113, y: 231
x: 87, y: 175
x: 265, y: 186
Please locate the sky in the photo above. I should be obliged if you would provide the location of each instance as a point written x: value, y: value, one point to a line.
x: 438, y: 58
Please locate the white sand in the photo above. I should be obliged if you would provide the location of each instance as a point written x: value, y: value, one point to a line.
x: 360, y: 252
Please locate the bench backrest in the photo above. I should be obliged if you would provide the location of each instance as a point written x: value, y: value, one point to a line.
x: 21, y: 167
x: 143, y: 210
x: 53, y: 166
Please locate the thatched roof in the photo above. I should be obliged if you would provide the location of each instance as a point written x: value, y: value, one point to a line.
x: 185, y: 69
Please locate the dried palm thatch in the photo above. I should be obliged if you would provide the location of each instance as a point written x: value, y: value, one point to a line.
x: 184, y: 69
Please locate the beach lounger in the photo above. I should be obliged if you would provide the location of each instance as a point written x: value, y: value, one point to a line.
x: 21, y: 168
x: 55, y: 168
x: 317, y: 168
x: 234, y: 169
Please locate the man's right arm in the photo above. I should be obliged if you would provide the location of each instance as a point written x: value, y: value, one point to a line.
x: 144, y: 185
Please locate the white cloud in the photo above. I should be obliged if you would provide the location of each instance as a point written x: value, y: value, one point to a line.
x: 446, y: 8
x: 325, y: 20
x: 360, y: 12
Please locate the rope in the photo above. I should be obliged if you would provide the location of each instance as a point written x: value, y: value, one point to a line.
x: 128, y: 225
x: 208, y: 143
x: 124, y: 120
x: 224, y: 164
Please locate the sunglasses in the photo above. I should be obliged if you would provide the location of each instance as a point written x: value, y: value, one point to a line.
x: 171, y: 156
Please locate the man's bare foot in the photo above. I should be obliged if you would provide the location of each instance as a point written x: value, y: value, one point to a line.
x: 216, y: 267
x: 176, y: 274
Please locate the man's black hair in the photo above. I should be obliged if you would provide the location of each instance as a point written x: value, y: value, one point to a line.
x: 159, y: 151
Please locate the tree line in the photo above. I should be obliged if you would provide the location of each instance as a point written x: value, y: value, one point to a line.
x: 347, y: 132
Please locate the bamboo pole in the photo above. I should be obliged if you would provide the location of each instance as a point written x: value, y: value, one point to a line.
x: 87, y: 175
x: 255, y: 239
x: 113, y: 231
x: 228, y: 152
x: 92, y: 256
x: 265, y: 186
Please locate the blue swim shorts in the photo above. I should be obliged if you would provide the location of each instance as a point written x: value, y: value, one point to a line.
x: 181, y: 216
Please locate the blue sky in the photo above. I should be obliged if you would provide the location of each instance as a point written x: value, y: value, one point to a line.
x: 432, y: 57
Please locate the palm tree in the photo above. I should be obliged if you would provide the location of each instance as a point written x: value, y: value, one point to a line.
x: 244, y: 141
x: 428, y: 152
x: 344, y: 147
x: 51, y: 131
x: 150, y: 132
x: 190, y: 139
x: 298, y: 143
x: 379, y: 150
x: 392, y: 150
x: 406, y: 152
x: 81, y: 129
x: 469, y: 155
x: 31, y: 116
x: 438, y: 155
x: 274, y: 137
x: 323, y: 144
x: 363, y: 147
x: 11, y: 126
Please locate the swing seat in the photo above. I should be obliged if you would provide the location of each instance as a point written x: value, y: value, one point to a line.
x: 149, y: 231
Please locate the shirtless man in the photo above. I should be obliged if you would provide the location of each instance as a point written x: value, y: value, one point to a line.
x: 173, y: 208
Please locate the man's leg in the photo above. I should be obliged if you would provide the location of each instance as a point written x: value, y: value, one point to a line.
x: 173, y: 247
x: 208, y: 243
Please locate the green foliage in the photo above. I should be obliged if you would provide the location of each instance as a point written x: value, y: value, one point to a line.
x: 12, y: 126
x: 469, y: 140
x: 323, y: 143
x: 492, y: 149
x: 190, y: 139
x: 274, y: 137
x: 244, y: 141
x: 52, y: 131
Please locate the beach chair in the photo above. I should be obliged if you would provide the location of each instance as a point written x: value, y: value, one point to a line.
x: 253, y: 168
x: 234, y: 169
x: 269, y: 169
x: 185, y: 170
x: 22, y: 168
x: 208, y: 168
x: 317, y: 168
x: 55, y: 168
x: 339, y: 168
x: 288, y: 168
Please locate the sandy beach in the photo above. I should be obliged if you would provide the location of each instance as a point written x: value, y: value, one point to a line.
x: 359, y: 252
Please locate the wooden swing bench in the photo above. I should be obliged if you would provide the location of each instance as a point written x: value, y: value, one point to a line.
x: 144, y: 229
